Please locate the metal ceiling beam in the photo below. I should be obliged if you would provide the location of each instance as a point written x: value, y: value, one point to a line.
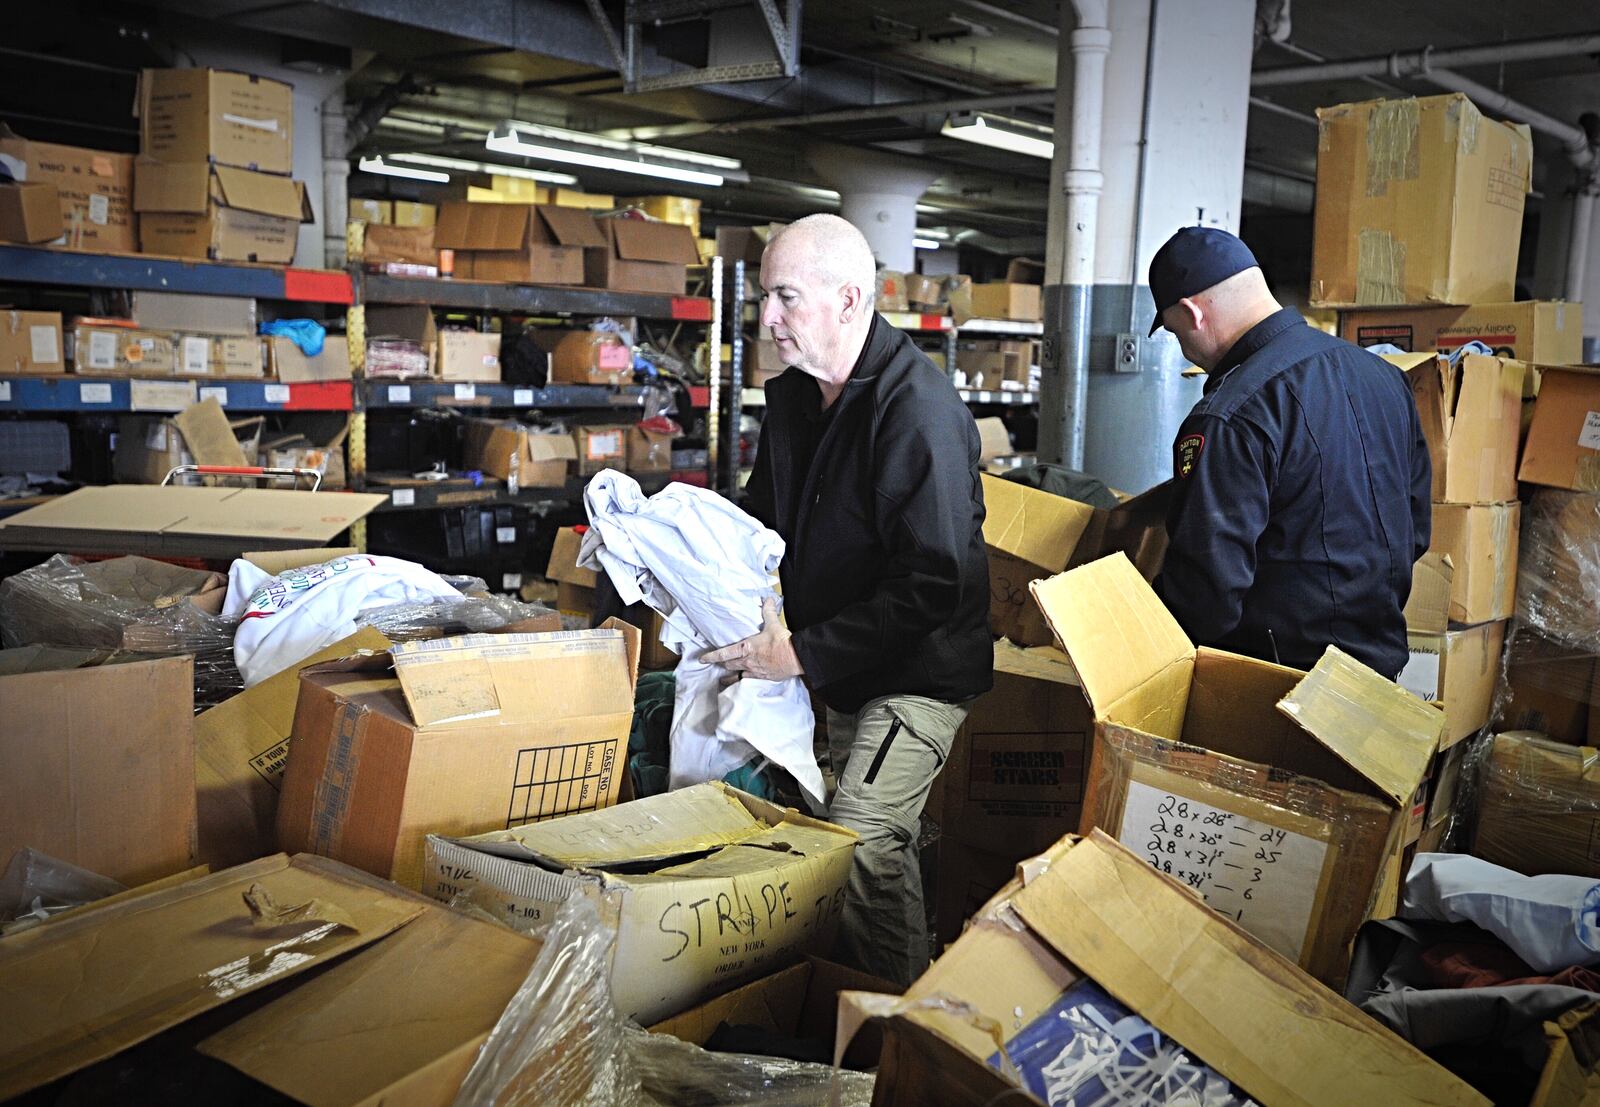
x: 1416, y: 63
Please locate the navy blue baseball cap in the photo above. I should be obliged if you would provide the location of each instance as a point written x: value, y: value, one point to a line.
x: 1192, y: 261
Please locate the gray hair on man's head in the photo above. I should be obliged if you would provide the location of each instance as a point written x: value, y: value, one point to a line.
x: 836, y: 250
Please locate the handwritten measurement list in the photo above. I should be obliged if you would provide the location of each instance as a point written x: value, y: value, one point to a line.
x: 1262, y: 876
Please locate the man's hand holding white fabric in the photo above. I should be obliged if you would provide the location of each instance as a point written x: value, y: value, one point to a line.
x: 767, y: 655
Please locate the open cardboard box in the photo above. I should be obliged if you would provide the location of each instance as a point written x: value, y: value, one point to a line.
x: 1280, y: 797
x: 1563, y: 447
x: 468, y: 734
x: 641, y: 257
x: 1032, y: 534
x: 1472, y: 418
x: 518, y: 454
x: 201, y: 210
x: 715, y: 887
x: 526, y: 243
x: 1091, y: 914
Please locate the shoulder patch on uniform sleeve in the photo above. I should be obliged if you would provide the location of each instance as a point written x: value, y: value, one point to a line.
x: 1187, y: 452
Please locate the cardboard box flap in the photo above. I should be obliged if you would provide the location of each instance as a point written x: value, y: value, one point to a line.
x: 1113, y: 628
x: 466, y: 226
x: 654, y: 829
x: 637, y: 240
x: 1035, y: 663
x: 516, y: 677
x: 551, y: 447
x: 1408, y: 362
x: 1428, y: 607
x: 172, y: 188
x: 1373, y: 725
x: 262, y: 193
x: 84, y: 988
x: 1033, y: 526
x: 1246, y: 1011
x: 571, y: 226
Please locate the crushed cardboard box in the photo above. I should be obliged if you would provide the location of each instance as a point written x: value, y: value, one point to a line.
x: 518, y: 454
x: 467, y: 734
x: 1279, y: 797
x: 1092, y: 915
x: 82, y: 989
x: 96, y: 784
x: 1473, y: 557
x: 716, y: 887
x: 1471, y: 415
x: 1458, y: 669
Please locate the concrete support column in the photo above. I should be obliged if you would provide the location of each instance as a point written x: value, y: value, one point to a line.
x: 879, y: 195
x: 335, y: 211
x: 1171, y: 153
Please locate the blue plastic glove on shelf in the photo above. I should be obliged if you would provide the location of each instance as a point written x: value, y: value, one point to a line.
x: 304, y: 333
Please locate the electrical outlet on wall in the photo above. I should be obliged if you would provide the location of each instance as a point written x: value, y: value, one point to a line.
x: 1127, y: 354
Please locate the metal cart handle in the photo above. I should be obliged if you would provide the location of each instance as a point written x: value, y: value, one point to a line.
x: 257, y: 471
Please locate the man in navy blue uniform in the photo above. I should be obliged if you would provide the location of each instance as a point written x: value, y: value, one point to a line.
x: 1301, y: 479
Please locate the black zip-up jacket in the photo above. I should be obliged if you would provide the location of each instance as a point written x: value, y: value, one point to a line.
x: 885, y: 579
x: 1300, y: 501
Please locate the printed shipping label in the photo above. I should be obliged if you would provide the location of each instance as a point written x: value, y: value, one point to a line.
x: 102, y: 350
x: 42, y: 341
x: 1421, y: 674
x: 99, y: 209
x: 1263, y: 877
x: 1589, y: 437
x: 196, y: 355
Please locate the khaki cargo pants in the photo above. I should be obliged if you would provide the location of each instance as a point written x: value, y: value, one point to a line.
x: 884, y: 759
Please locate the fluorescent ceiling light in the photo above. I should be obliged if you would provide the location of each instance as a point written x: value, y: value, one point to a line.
x: 376, y: 165
x: 597, y: 153
x: 926, y: 244
x: 544, y: 176
x: 1005, y: 134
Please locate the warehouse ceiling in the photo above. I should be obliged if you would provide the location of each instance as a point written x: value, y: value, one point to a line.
x: 437, y: 76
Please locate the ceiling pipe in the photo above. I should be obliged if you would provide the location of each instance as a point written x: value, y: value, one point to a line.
x: 1491, y: 101
x: 1288, y: 113
x: 1414, y: 63
x: 1012, y: 17
x: 1020, y: 98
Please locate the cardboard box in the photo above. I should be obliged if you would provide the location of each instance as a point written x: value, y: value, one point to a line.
x: 576, y: 198
x: 30, y: 212
x: 592, y: 357
x: 801, y: 1001
x: 1563, y: 447
x: 993, y: 438
x: 289, y: 363
x: 195, y: 313
x: 105, y: 348
x: 241, y: 747
x: 1458, y: 669
x: 1544, y: 332
x: 1032, y: 534
x: 891, y: 291
x: 410, y: 214
x: 925, y: 293
x: 1418, y: 202
x: 86, y: 988
x: 1539, y: 806
x: 189, y: 522
x: 298, y: 451
x: 371, y: 211
x: 575, y: 591
x: 382, y: 243
x: 197, y: 210
x: 1471, y: 416
x: 1480, y: 541
x: 468, y: 356
x: 641, y: 257
x: 706, y: 900
x: 399, y: 1022
x: 518, y: 454
x: 601, y: 447
x: 745, y: 244
x: 1092, y: 919
x: 216, y: 115
x: 148, y: 447
x: 1280, y: 797
x: 536, y: 243
x: 30, y: 343
x: 649, y: 451
x: 1551, y: 688
x: 1004, y: 300
x: 1014, y: 781
x: 211, y: 355
x: 95, y: 784
x: 469, y: 734
x: 990, y: 362
x: 966, y: 878
x: 95, y: 187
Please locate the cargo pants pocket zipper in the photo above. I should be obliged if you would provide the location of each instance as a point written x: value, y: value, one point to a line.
x: 883, y: 751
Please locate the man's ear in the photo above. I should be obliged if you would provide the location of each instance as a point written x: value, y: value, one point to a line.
x: 853, y: 300
x: 1193, y: 310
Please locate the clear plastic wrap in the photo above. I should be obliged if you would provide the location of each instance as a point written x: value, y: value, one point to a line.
x: 1558, y: 571
x: 467, y: 614
x: 1537, y: 804
x: 561, y: 1043
x: 36, y: 886
x: 129, y: 603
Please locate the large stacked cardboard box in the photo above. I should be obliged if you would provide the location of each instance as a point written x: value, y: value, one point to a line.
x: 216, y: 148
